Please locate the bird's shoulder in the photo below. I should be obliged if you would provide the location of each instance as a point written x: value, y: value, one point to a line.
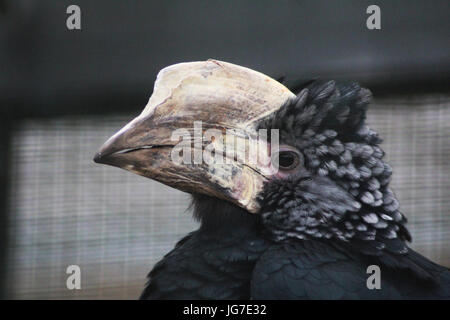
x: 313, y: 270
x: 205, y: 266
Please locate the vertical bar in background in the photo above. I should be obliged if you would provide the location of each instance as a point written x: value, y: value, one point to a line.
x: 5, y: 134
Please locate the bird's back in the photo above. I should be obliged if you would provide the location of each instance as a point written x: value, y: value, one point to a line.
x: 314, y: 269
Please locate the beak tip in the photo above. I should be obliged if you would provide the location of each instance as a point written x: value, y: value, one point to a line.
x: 98, y: 157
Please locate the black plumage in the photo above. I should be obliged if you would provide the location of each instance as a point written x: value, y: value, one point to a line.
x: 214, y: 262
x: 318, y: 229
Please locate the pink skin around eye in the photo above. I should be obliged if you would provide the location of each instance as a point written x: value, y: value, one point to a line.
x: 270, y: 170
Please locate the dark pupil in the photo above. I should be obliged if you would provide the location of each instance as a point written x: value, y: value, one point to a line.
x: 286, y: 159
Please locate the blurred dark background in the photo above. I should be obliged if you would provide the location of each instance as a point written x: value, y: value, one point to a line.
x: 63, y: 92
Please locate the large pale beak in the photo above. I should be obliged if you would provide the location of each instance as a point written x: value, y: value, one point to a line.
x: 216, y: 95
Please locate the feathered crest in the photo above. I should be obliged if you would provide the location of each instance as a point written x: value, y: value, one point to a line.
x: 323, y: 105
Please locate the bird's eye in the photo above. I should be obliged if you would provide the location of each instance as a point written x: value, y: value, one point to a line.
x: 288, y: 159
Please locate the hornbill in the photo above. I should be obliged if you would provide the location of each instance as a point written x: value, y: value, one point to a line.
x: 309, y: 229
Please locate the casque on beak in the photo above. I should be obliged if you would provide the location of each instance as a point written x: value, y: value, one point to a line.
x: 221, y: 97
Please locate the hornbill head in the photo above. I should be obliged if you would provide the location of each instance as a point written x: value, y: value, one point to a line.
x: 328, y: 181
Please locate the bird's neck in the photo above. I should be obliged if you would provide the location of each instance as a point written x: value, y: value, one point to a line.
x: 216, y: 215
